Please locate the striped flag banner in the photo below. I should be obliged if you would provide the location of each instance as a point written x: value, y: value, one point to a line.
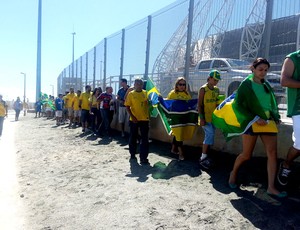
x: 179, y: 117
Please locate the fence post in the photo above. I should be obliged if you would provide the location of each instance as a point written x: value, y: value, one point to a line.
x: 104, y: 64
x: 148, y: 47
x: 122, y: 55
x: 188, y: 41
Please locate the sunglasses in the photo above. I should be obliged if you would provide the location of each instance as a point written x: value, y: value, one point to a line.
x: 181, y: 84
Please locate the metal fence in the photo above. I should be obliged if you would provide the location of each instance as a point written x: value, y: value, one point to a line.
x: 186, y: 31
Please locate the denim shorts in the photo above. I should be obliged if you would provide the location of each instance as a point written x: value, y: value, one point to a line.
x: 209, y: 131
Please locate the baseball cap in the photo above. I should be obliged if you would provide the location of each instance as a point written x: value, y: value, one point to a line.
x: 215, y: 74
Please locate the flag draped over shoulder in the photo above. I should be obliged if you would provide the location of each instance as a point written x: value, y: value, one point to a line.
x: 239, y: 111
x: 179, y: 117
x: 230, y: 120
x: 45, y: 100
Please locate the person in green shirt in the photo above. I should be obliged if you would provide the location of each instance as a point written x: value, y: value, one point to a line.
x: 290, y: 78
x: 254, y: 98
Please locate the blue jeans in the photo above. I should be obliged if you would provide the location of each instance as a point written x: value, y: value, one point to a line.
x: 105, y: 124
x: 144, y: 142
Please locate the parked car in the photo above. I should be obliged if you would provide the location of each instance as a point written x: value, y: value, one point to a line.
x: 233, y: 72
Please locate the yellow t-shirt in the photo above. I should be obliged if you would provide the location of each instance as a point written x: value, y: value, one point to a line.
x: 210, y: 101
x: 138, y: 103
x: 76, y: 103
x: 85, y: 100
x: 69, y: 99
x: 2, y: 108
x: 179, y: 95
x: 94, y: 102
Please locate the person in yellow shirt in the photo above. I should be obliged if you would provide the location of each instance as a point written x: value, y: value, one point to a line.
x: 137, y: 107
x: 3, y: 113
x: 179, y: 93
x: 84, y: 104
x: 207, y: 102
x: 95, y: 109
x: 76, y: 109
x: 68, y: 104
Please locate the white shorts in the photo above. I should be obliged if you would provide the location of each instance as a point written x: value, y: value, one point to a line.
x: 70, y: 112
x: 296, y: 131
x: 58, y: 113
x: 77, y: 113
x: 123, y: 116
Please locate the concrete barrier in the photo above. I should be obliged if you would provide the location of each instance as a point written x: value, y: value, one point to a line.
x: 234, y: 146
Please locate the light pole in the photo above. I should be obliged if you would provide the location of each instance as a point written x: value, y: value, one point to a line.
x: 52, y: 90
x: 73, y: 34
x: 24, y: 100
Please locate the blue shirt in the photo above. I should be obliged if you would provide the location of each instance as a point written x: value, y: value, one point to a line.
x: 121, y: 95
x: 59, y: 103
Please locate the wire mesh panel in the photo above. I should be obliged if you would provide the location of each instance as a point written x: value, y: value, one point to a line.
x: 227, y: 30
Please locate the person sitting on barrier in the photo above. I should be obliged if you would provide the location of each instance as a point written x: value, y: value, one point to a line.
x: 248, y: 101
x: 207, y: 102
x: 179, y: 92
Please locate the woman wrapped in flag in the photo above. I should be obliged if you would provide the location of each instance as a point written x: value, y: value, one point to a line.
x: 179, y: 93
x: 254, y: 114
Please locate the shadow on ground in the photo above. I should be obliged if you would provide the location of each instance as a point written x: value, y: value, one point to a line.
x: 262, y: 210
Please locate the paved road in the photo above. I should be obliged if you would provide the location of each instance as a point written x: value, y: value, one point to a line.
x: 10, y: 205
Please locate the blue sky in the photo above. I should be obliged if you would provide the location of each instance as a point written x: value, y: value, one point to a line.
x: 92, y: 20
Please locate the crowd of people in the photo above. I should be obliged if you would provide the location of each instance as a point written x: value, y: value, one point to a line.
x: 93, y: 110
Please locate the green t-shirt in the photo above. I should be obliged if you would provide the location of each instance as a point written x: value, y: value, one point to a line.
x: 259, y: 90
x: 293, y: 94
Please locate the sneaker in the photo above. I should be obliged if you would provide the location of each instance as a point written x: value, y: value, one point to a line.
x: 206, y: 163
x: 283, y: 175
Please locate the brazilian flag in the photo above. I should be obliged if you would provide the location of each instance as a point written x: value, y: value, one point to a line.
x: 230, y: 120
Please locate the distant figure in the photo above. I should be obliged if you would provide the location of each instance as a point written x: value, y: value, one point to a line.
x: 123, y: 117
x: 38, y: 108
x: 68, y: 105
x: 77, y: 110
x: 84, y: 105
x: 290, y: 78
x: 105, y: 99
x: 3, y: 113
x: 59, y: 109
x: 17, y: 108
x: 136, y: 104
x: 95, y: 111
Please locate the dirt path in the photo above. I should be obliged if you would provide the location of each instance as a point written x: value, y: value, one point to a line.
x: 68, y: 180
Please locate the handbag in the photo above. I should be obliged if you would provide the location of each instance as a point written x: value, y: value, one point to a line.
x: 271, y: 127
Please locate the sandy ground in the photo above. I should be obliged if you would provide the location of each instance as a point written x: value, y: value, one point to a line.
x: 58, y: 178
